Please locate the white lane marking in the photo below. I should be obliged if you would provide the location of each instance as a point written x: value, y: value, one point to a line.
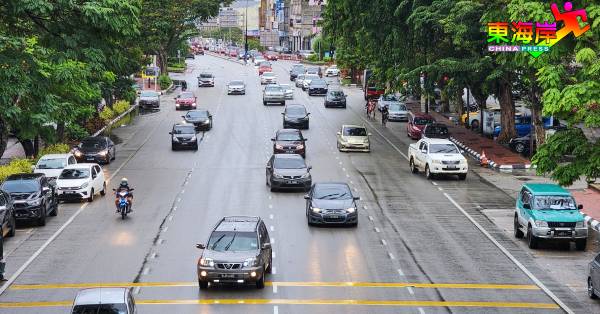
x: 170, y: 217
x: 270, y: 206
x: 340, y: 162
x: 355, y: 190
x: 510, y: 256
x: 161, y: 241
x: 440, y: 189
x: 271, y: 216
x: 270, y: 197
x: 383, y: 242
x: 136, y: 290
x: 174, y: 207
x: 343, y: 169
x: 274, y: 288
x: 385, y: 138
x: 347, y: 176
x: 434, y: 183
x: 370, y: 217
x: 400, y: 272
x: 421, y: 310
x: 272, y: 241
x: 276, y: 309
x: 153, y: 255
x: 273, y: 270
x: 165, y: 229
x: 178, y: 199
x: 272, y: 228
x: 365, y: 206
x: 351, y: 182
x: 410, y: 290
x: 390, y: 255
x: 377, y: 230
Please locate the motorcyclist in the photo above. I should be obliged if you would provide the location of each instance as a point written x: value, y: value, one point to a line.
x: 124, y: 186
x: 385, y: 114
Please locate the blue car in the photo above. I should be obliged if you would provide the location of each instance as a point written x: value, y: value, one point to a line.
x: 523, y: 125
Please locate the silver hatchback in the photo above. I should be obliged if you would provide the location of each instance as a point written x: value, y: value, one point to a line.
x: 104, y: 300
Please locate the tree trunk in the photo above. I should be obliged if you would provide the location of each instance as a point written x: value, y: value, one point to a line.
x: 445, y: 102
x: 28, y: 147
x: 507, y: 112
x: 539, y: 134
x: 162, y: 60
x: 3, y: 136
x: 60, y: 132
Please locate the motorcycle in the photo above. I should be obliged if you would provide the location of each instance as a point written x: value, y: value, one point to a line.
x: 123, y: 203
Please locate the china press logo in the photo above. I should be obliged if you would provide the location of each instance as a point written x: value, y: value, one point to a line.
x: 536, y: 38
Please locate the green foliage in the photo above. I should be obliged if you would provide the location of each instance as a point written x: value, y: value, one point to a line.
x: 313, y: 57
x: 234, y: 34
x: 164, y: 81
x: 14, y: 167
x: 121, y: 106
x: 75, y: 132
x: 60, y: 148
x: 254, y: 44
x: 107, y: 114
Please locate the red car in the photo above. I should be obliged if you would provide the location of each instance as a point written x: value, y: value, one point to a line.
x: 271, y: 57
x: 416, y: 124
x: 233, y: 53
x: 185, y: 100
x: 264, y: 67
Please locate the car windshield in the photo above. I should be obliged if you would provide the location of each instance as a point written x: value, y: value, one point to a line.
x: 318, y: 82
x: 285, y: 86
x: 197, y: 114
x: 273, y: 88
x: 397, y: 107
x: 232, y: 241
x: 443, y: 149
x: 52, y: 163
x: 349, y: 131
x: 295, y: 111
x: 435, y: 129
x: 93, y: 144
x: 288, y: 136
x: 336, y: 93
x: 265, y: 64
x: 422, y: 121
x: 311, y: 77
x: 289, y: 163
x: 100, y: 309
x: 186, y: 95
x: 148, y: 94
x: 20, y: 186
x: 554, y: 202
x: 183, y: 129
x: 206, y: 75
x: 74, y: 174
x: 332, y: 192
x: 390, y: 98
x: 236, y: 83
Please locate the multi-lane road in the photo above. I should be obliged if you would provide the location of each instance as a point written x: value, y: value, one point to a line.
x: 420, y: 246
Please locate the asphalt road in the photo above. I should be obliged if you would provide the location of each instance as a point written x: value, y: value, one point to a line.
x: 417, y: 247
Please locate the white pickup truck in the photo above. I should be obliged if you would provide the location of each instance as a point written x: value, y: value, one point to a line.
x: 436, y: 157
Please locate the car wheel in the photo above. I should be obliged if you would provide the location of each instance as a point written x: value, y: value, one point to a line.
x: 590, y: 289
x: 42, y: 220
x: 54, y: 211
x: 520, y: 148
x: 103, y: 192
x: 413, y: 168
x: 260, y: 284
x: 173, y: 147
x: 264, y: 103
x: 532, y: 241
x: 517, y: 228
x: 13, y: 227
x: 270, y: 267
x: 272, y: 188
x: 91, y: 198
x: 580, y: 244
x: 474, y: 125
x: 462, y: 176
x: 196, y: 147
x: 203, y: 285
x: 428, y: 173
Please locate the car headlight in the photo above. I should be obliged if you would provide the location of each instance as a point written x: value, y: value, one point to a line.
x: 83, y: 186
x: 206, y: 122
x: 78, y: 153
x: 300, y: 146
x: 435, y: 161
x: 277, y: 175
x: 193, y: 104
x: 35, y: 202
x: 366, y: 141
x: 279, y: 146
x: 103, y: 153
x: 580, y: 224
x: 316, y: 210
x: 175, y: 139
x: 193, y: 138
x: 207, y: 262
x: 251, y: 262
x: 351, y: 210
x: 541, y: 223
x: 306, y: 175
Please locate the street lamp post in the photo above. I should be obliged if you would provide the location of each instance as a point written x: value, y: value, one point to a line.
x: 246, y: 36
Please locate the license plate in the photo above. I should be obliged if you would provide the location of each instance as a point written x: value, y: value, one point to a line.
x: 70, y: 192
x: 563, y: 233
x: 227, y: 276
x: 289, y: 151
x: 292, y: 182
x: 451, y: 168
x: 334, y: 216
x: 89, y: 158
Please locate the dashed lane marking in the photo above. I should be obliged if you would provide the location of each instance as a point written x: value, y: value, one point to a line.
x: 363, y: 302
x: 168, y: 284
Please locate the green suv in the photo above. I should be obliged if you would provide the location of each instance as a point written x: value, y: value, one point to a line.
x: 547, y: 211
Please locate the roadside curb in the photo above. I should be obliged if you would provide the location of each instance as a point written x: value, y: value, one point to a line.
x: 116, y: 119
x: 492, y: 164
x: 591, y: 222
x: 225, y: 58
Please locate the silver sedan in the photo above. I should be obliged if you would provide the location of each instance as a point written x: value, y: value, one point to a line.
x: 236, y: 87
x: 288, y: 91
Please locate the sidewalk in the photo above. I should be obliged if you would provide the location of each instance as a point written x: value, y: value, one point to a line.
x: 499, y: 156
x: 14, y: 149
x: 590, y: 199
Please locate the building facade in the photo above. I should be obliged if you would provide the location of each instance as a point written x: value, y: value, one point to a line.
x: 304, y: 17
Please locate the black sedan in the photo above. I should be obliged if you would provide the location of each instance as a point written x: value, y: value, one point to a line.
x: 32, y: 195
x: 295, y: 117
x: 201, y: 119
x: 99, y: 149
x: 289, y: 141
x: 7, y: 216
x: 317, y: 87
x: 288, y: 171
x: 335, y: 98
x: 521, y: 145
x: 184, y: 136
x: 331, y: 203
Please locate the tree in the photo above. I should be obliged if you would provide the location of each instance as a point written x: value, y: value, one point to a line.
x: 234, y: 34
x: 169, y: 22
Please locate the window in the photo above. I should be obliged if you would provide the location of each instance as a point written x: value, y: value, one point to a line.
x: 72, y: 160
x: 97, y: 169
x: 443, y: 149
x: 74, y: 174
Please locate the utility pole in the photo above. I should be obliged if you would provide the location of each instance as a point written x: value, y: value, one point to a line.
x: 246, y: 36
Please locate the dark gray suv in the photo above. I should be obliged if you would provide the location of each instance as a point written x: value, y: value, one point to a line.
x: 593, y: 282
x: 238, y: 251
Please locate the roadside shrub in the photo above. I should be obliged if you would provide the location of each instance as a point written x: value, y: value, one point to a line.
x: 327, y: 59
x: 313, y: 57
x: 14, y: 167
x: 59, y: 148
x: 164, y: 81
x: 75, y: 132
x: 107, y: 114
x: 120, y: 106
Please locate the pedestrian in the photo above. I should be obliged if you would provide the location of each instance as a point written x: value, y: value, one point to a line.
x: 2, y: 262
x: 183, y: 85
x: 385, y: 113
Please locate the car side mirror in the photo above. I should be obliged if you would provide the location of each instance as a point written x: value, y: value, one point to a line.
x: 304, y: 139
x: 183, y: 117
x: 338, y: 133
x: 308, y: 114
x: 306, y: 196
x: 462, y: 151
x: 309, y: 168
x: 175, y: 98
x: 424, y: 151
x: 200, y: 246
x: 266, y: 246
x: 171, y: 133
x: 45, y: 189
x: 580, y: 206
x: 283, y: 113
x: 356, y: 198
x: 526, y: 206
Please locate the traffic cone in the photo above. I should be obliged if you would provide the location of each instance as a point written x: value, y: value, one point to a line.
x: 483, y: 160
